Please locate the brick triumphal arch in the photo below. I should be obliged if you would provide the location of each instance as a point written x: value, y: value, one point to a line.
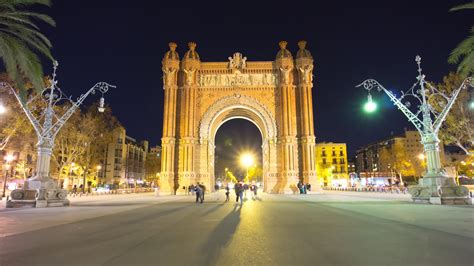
x: 201, y: 96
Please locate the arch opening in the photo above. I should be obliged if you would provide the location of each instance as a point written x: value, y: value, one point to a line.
x: 238, y: 138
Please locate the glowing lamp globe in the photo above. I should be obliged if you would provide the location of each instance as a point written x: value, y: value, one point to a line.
x: 3, y: 109
x: 246, y: 160
x: 370, y: 106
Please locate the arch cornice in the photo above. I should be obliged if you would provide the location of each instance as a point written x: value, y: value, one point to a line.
x: 237, y: 101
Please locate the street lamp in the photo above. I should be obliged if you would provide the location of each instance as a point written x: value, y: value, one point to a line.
x: 47, y: 123
x: 435, y: 184
x: 246, y: 160
x: 98, y: 169
x: 370, y: 106
x: 8, y: 159
x: 3, y: 109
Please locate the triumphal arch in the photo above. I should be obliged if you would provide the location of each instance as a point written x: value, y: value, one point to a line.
x: 201, y: 96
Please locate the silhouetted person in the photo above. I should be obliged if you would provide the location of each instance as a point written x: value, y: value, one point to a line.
x: 199, y: 192
x: 203, y: 191
x: 227, y: 192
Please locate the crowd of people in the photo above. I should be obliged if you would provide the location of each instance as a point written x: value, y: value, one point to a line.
x: 241, y: 189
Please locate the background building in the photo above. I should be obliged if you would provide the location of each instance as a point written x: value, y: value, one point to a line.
x: 331, y: 164
x: 124, y: 161
x: 153, y: 166
x: 393, y: 158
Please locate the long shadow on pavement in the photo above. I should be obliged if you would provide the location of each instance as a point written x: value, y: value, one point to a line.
x: 213, y: 209
x: 219, y: 238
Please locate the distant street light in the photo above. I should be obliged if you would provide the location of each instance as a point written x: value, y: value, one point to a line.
x: 246, y: 160
x: 98, y: 169
x: 435, y: 184
x: 8, y: 159
x: 421, y: 156
x: 3, y: 109
x: 370, y: 106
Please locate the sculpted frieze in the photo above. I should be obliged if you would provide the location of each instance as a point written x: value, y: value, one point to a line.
x: 237, y: 79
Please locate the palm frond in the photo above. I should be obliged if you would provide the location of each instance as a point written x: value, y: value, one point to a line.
x: 463, y: 49
x: 464, y: 6
x: 19, y: 37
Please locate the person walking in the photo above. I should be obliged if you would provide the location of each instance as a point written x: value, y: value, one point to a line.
x: 236, y: 189
x: 198, y: 192
x: 203, y: 191
x: 241, y: 193
x: 245, y: 188
x: 254, y: 189
x: 227, y: 192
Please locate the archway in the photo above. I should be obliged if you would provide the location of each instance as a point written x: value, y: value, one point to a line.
x: 239, y: 107
x: 235, y: 139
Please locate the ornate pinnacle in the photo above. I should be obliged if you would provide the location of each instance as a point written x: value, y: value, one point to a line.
x: 302, y: 45
x: 282, y: 44
x: 192, y: 46
x: 172, y: 46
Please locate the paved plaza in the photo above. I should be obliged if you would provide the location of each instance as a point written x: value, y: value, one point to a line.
x: 334, y: 228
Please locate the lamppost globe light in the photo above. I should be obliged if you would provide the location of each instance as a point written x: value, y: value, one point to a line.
x: 99, y: 167
x: 370, y: 106
x: 3, y: 109
x: 9, y: 158
x: 421, y: 156
x: 246, y: 160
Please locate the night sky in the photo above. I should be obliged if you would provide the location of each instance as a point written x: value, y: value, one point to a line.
x: 122, y: 42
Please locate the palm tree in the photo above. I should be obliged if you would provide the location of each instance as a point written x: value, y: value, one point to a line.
x: 464, y: 50
x: 20, y: 38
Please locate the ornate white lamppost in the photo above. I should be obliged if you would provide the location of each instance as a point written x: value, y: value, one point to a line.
x: 435, y: 187
x: 41, y: 190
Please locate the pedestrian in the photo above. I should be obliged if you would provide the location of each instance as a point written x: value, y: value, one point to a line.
x: 203, y: 191
x: 192, y: 189
x: 227, y: 192
x: 198, y: 192
x: 255, y: 188
x: 245, y: 188
x: 74, y: 189
x: 308, y: 186
x: 300, y: 187
x: 236, y: 189
x: 241, y: 193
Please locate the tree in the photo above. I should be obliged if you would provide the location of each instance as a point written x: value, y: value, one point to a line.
x: 152, y: 168
x: 255, y: 173
x: 22, y: 169
x: 100, y: 129
x: 458, y: 128
x: 83, y: 140
x: 464, y: 50
x: 394, y: 157
x: 20, y: 38
x: 14, y: 125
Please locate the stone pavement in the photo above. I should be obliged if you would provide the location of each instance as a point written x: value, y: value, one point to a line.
x: 318, y: 229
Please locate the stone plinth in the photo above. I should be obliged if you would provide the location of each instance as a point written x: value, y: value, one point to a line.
x: 439, y: 190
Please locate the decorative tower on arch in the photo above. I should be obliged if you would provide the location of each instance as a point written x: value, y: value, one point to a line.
x: 188, y: 140
x: 306, y: 138
x: 288, y: 159
x: 170, y: 68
